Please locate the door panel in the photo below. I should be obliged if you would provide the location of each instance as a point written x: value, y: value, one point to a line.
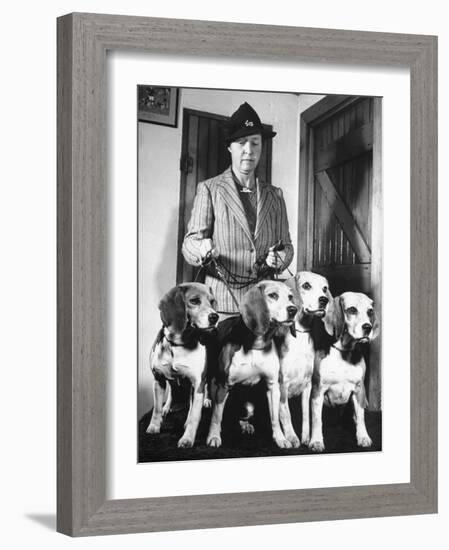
x: 342, y: 170
x: 340, y: 208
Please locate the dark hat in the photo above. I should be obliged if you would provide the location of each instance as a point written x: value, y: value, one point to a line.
x: 245, y: 122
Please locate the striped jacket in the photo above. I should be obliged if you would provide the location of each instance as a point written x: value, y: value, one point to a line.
x: 218, y: 214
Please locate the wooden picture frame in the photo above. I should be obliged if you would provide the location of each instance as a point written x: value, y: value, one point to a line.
x: 83, y: 40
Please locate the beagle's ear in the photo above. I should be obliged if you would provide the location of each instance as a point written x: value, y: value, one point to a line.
x: 376, y: 326
x: 328, y: 293
x: 173, y: 310
x: 293, y: 284
x: 334, y: 320
x: 213, y: 301
x: 254, y: 311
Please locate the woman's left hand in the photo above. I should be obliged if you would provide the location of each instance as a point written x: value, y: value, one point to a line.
x: 274, y: 258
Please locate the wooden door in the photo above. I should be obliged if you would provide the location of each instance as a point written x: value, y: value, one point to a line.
x: 341, y: 202
x: 342, y: 170
x: 204, y: 155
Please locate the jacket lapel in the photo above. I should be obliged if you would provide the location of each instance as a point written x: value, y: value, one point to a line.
x: 264, y: 204
x: 230, y: 196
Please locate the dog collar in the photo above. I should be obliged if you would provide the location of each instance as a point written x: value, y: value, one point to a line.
x: 339, y: 349
x: 191, y: 343
x: 343, y: 350
x: 265, y: 347
x: 167, y: 339
x: 174, y: 344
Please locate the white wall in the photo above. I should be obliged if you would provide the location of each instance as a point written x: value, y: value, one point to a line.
x: 28, y: 231
x: 159, y: 182
x: 307, y: 100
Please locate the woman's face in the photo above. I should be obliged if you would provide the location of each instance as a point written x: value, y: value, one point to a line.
x: 245, y: 153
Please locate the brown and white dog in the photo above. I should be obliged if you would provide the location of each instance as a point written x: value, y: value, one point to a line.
x: 339, y: 373
x: 248, y: 355
x: 297, y: 352
x: 187, y: 313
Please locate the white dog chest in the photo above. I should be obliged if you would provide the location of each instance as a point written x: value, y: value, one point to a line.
x: 251, y: 366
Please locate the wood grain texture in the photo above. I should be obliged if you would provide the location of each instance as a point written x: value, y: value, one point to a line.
x: 377, y: 239
x: 424, y: 276
x: 64, y: 278
x: 83, y: 40
x: 353, y: 144
x: 345, y: 217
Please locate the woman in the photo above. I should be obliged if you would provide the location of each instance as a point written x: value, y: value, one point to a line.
x: 237, y: 218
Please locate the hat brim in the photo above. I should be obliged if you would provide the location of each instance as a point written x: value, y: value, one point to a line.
x: 242, y: 132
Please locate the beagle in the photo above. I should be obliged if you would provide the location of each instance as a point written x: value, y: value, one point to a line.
x: 296, y: 350
x: 187, y: 314
x: 247, y: 353
x: 339, y: 373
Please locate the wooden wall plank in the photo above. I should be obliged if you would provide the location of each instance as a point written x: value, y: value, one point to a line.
x: 353, y: 144
x: 202, y: 149
x: 212, y: 164
x: 345, y: 218
x: 375, y: 367
x: 304, y: 245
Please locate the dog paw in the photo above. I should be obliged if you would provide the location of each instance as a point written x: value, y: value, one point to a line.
x: 305, y: 440
x: 282, y: 442
x: 185, y: 442
x: 364, y: 441
x: 246, y: 427
x: 153, y: 428
x: 294, y: 440
x: 165, y: 411
x: 316, y: 446
x: 214, y: 441
x: 207, y: 403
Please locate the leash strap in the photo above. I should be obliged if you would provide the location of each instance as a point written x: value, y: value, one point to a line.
x: 280, y: 259
x: 209, y: 260
x: 223, y: 279
x: 220, y: 268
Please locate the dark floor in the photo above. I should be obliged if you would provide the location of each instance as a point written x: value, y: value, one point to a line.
x: 338, y: 427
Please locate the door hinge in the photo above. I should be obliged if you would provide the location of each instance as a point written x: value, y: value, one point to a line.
x: 186, y: 164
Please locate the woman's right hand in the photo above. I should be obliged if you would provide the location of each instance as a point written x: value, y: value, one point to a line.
x: 206, y: 247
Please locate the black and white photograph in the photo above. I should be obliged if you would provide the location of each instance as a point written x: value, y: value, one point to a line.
x: 259, y: 276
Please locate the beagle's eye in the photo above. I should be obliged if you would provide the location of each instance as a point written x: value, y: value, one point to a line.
x: 324, y: 289
x: 195, y: 301
x: 370, y: 312
x: 352, y: 310
x: 273, y: 295
x: 306, y: 286
x: 290, y: 297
